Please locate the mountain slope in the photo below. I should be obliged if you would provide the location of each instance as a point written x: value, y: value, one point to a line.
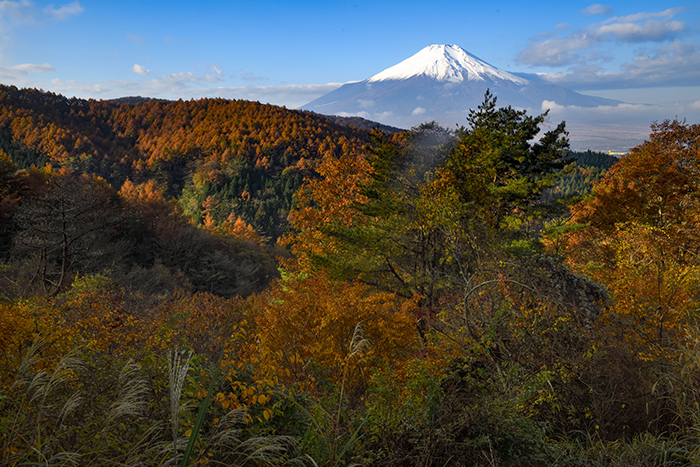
x: 218, y: 157
x: 440, y: 82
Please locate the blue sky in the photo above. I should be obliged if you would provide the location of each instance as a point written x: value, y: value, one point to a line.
x: 289, y: 53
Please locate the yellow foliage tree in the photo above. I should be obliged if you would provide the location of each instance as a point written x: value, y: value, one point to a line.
x: 309, y: 326
x: 638, y: 235
x: 654, y: 287
x: 22, y: 324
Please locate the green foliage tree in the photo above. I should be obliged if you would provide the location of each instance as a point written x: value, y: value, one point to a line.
x: 577, y: 181
x: 423, y: 209
x: 497, y: 169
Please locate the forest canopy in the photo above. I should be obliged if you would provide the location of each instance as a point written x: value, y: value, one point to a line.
x: 232, y: 283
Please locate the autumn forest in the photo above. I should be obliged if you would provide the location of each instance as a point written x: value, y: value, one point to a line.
x: 223, y: 282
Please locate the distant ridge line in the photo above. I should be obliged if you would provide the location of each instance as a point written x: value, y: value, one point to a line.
x: 362, y: 123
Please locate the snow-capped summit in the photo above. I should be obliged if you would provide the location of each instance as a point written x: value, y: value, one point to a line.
x: 441, y: 83
x: 446, y: 63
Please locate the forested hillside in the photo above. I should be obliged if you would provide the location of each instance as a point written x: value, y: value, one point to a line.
x: 227, y: 283
x: 222, y: 159
x: 587, y: 167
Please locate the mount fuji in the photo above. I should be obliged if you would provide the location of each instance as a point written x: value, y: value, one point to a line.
x: 441, y: 83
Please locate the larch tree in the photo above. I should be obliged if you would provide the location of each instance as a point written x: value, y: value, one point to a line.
x: 66, y: 227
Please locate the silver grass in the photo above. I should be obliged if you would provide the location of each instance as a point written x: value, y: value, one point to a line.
x: 74, y: 401
x: 178, y: 365
x: 58, y: 459
x: 37, y: 385
x: 32, y: 356
x: 36, y: 398
x: 132, y: 395
x: 142, y: 453
x: 266, y: 450
x: 65, y: 371
x: 358, y: 343
x: 172, y: 449
x: 43, y: 384
x: 311, y: 459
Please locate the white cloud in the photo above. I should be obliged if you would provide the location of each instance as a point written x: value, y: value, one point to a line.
x: 550, y: 105
x: 65, y: 11
x: 15, y: 12
x: 16, y: 72
x: 71, y: 88
x: 650, y: 31
x: 550, y: 49
x: 362, y: 114
x: 667, y: 13
x: 597, y: 9
x: 140, y: 69
x: 176, y: 82
x: 24, y: 11
x: 188, y: 85
x: 555, y: 52
x: 555, y: 108
x: 173, y: 86
x: 32, y: 68
x: 418, y: 111
x: 13, y: 15
x: 185, y: 85
x: 291, y: 95
x: 676, y: 64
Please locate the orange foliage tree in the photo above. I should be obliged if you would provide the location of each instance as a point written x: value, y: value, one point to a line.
x: 639, y: 237
x: 311, y: 325
x: 327, y: 201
